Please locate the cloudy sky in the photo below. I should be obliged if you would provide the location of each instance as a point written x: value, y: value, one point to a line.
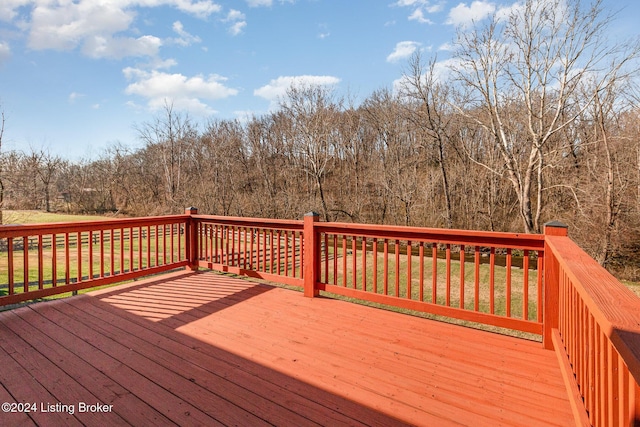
x: 79, y: 75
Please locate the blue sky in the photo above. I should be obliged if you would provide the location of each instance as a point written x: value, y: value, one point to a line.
x: 78, y: 76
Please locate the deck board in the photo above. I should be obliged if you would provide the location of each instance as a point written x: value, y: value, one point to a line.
x: 213, y: 350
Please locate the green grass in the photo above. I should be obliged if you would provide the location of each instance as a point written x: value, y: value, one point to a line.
x: 39, y: 217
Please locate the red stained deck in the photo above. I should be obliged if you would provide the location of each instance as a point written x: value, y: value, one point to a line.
x: 206, y: 349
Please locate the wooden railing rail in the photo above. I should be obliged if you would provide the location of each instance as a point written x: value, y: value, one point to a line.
x: 451, y: 273
x: 41, y: 260
x: 596, y: 336
x: 262, y: 248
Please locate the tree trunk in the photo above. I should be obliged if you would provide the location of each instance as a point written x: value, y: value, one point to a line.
x: 610, y: 203
x: 325, y: 210
x: 445, y: 185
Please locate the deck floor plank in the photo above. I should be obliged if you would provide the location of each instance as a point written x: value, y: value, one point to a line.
x: 356, y: 373
x: 209, y: 349
x: 25, y: 388
x: 175, y: 387
x: 105, y: 389
x: 297, y: 394
x: 63, y: 387
x: 18, y: 419
x: 216, y: 372
x: 391, y: 369
x: 225, y: 393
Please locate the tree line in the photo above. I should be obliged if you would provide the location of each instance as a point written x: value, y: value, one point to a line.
x: 533, y: 119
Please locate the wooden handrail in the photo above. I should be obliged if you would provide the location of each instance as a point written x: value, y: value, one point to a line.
x: 437, y: 235
x: 597, y: 337
x: 19, y: 230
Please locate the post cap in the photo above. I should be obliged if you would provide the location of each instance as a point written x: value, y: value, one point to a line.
x: 312, y: 213
x: 556, y: 224
x: 191, y: 210
x: 556, y: 228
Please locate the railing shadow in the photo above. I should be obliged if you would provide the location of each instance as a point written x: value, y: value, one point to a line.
x: 186, y: 298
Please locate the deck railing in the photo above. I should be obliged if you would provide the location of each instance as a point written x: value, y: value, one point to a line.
x: 255, y: 247
x: 596, y: 334
x: 41, y: 260
x: 541, y: 284
x: 450, y: 273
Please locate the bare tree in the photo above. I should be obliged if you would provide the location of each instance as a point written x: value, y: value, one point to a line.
x: 169, y: 133
x: 312, y: 111
x: 430, y: 113
x: 608, y: 168
x: 46, y: 166
x: 398, y: 150
x: 519, y: 75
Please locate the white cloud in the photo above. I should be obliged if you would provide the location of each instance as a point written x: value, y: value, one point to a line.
x: 201, y: 9
x: 237, y: 19
x: 237, y: 28
x: 323, y: 31
x: 259, y: 3
x: 418, y: 15
x: 277, y: 88
x: 184, y: 39
x: 98, y: 27
x: 65, y: 27
x: 5, y: 52
x: 403, y: 50
x: 121, y: 47
x: 504, y: 12
x: 404, y: 3
x: 9, y: 8
x: 442, y: 69
x: 186, y: 93
x: 73, y: 96
x: 235, y: 15
x: 463, y: 15
x: 266, y: 3
x: 158, y: 64
x: 420, y: 8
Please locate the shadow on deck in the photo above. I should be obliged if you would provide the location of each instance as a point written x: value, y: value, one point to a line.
x: 207, y: 349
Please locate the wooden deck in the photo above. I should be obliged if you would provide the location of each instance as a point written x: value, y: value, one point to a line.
x: 206, y: 349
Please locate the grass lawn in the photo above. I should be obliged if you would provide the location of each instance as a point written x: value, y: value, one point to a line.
x: 38, y: 217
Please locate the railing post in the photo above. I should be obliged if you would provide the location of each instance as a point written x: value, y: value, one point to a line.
x: 191, y: 236
x: 551, y: 301
x: 311, y: 272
